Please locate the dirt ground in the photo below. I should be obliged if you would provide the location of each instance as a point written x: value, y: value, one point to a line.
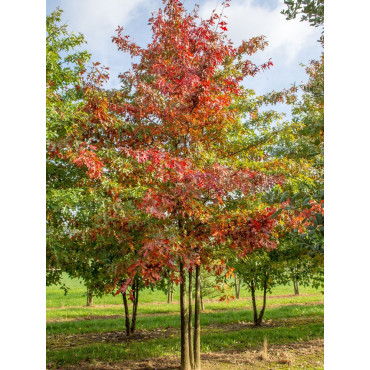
x: 67, y: 341
x: 302, y: 355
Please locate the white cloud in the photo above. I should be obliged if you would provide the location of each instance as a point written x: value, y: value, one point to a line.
x: 290, y: 42
x: 98, y: 19
x: 248, y: 18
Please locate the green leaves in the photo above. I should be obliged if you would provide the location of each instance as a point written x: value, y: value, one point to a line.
x: 284, y: 197
x: 63, y: 73
x: 277, y: 213
x: 311, y: 10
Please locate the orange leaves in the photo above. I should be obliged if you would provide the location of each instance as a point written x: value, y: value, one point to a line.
x: 252, y: 45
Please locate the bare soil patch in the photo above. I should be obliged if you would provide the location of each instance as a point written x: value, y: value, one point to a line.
x: 301, y: 355
x: 74, y: 340
x: 60, y: 341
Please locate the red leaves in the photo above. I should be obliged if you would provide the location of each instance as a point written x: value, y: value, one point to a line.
x: 156, y: 256
x: 247, y: 232
x: 267, y: 65
x: 177, y: 80
x: 175, y: 182
x: 123, y: 287
x: 88, y: 158
x: 174, y: 106
x: 124, y: 43
x: 222, y: 25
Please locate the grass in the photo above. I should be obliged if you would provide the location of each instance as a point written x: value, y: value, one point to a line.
x: 76, y: 296
x: 76, y: 332
x: 231, y: 340
x: 72, y: 313
x: 173, y: 321
x: 55, y: 296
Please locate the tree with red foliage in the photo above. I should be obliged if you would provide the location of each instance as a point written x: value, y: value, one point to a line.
x: 164, y: 145
x: 176, y: 106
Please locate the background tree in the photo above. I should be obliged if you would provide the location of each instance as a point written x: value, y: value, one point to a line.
x: 79, y: 237
x: 311, y: 11
x: 302, y: 144
x: 300, y: 264
x: 63, y: 71
x: 259, y: 271
x: 208, y: 287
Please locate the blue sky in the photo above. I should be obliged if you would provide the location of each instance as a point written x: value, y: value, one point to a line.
x: 290, y: 42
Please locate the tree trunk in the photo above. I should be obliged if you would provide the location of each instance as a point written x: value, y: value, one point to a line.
x: 185, y: 359
x: 201, y: 295
x: 237, y: 287
x: 197, y: 320
x: 255, y: 316
x: 127, y: 314
x: 296, y: 287
x: 89, y: 297
x: 191, y: 352
x: 134, y: 306
x: 260, y: 317
x: 170, y: 292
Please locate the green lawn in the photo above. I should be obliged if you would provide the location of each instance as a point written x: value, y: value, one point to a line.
x: 173, y: 321
x: 168, y: 346
x: 143, y: 309
x: 76, y: 296
x: 89, y: 334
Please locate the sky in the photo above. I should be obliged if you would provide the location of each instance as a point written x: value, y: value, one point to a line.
x: 291, y: 43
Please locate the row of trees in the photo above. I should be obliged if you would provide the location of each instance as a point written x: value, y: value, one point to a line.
x: 180, y: 170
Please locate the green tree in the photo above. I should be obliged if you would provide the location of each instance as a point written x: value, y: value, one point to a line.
x: 301, y: 265
x: 259, y: 271
x: 312, y: 11
x: 64, y: 66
